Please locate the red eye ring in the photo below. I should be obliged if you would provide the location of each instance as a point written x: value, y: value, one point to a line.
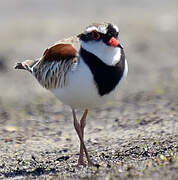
x: 95, y: 35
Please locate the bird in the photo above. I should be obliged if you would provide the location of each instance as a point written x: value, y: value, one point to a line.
x: 83, y: 71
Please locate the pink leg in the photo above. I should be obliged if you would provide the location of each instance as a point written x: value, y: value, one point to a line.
x: 82, y: 126
x: 80, y: 130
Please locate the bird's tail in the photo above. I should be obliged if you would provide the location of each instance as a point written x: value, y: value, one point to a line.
x: 26, y: 65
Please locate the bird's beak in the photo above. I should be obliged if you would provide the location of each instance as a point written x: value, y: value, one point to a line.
x: 113, y: 42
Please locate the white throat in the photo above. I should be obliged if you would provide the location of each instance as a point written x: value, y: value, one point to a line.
x: 109, y: 55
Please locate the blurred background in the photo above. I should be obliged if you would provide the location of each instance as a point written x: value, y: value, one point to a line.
x: 148, y: 33
x: 34, y: 122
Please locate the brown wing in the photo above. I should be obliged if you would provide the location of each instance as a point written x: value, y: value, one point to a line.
x: 59, y: 52
x: 57, y: 61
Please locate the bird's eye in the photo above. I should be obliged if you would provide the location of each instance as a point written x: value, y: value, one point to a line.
x: 95, y: 35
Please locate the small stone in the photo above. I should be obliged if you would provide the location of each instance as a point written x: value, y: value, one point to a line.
x: 11, y: 128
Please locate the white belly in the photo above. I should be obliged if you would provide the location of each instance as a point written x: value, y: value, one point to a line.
x: 81, y: 91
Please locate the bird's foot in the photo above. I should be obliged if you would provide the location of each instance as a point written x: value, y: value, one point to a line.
x: 91, y: 164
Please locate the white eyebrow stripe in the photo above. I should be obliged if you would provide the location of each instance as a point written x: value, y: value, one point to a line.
x: 90, y: 29
x: 101, y: 29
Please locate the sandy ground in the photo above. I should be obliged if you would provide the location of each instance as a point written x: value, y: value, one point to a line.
x: 135, y: 137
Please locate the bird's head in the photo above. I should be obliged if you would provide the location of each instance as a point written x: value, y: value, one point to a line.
x: 102, y: 41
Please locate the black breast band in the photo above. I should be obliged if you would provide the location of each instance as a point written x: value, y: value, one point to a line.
x: 105, y: 76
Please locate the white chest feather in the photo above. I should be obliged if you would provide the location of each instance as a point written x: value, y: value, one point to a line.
x: 81, y: 91
x: 109, y: 55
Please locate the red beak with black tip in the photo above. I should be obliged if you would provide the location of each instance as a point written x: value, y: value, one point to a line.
x: 114, y: 42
